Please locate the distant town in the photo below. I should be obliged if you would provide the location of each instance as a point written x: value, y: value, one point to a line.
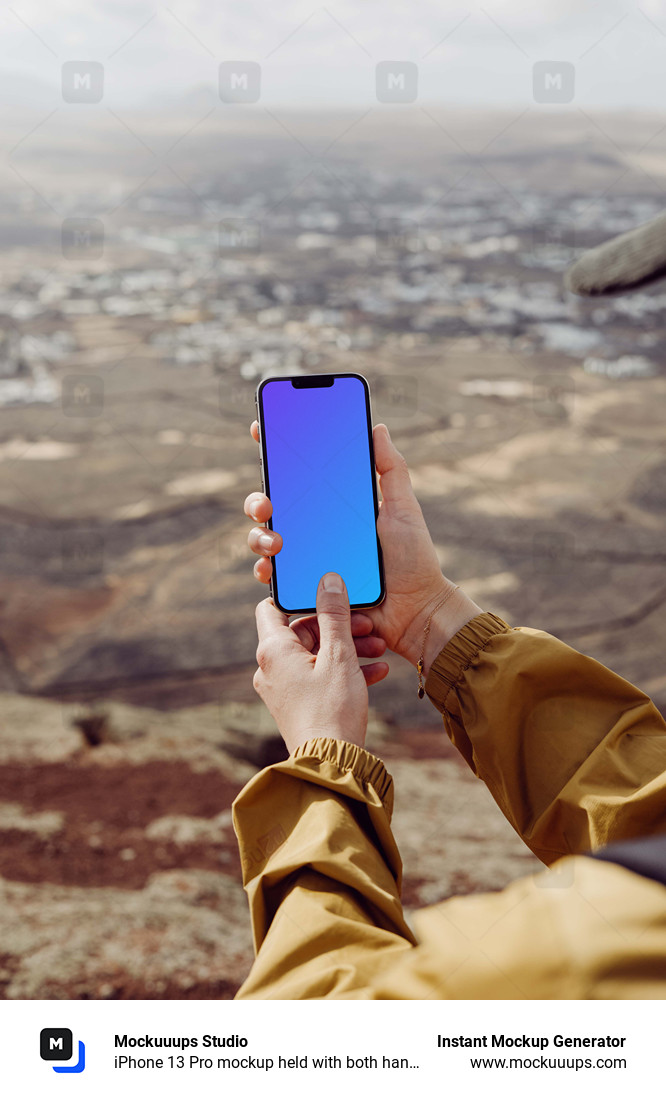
x: 277, y: 283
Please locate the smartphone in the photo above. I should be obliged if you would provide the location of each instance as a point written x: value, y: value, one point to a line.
x: 318, y: 469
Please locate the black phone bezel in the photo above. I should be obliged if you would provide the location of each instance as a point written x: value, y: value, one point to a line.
x: 305, y: 381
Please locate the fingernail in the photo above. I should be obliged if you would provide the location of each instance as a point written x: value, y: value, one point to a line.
x: 332, y: 582
x: 265, y: 542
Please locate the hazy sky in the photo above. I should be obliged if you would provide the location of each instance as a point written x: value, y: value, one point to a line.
x: 315, y: 56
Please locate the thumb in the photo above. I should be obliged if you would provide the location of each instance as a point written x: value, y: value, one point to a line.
x: 394, y: 480
x: 335, y: 636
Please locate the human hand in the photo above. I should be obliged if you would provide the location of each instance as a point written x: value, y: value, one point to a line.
x: 309, y: 675
x: 414, y: 580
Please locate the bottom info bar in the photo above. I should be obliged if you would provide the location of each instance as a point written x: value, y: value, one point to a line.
x: 109, y: 1048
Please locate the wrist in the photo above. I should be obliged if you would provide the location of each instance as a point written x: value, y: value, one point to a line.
x: 294, y: 740
x: 457, y: 610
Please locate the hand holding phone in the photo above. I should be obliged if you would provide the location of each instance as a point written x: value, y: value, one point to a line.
x: 309, y: 675
x: 414, y: 580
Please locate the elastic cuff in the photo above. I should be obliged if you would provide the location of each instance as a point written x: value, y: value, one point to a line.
x: 365, y: 767
x: 458, y: 654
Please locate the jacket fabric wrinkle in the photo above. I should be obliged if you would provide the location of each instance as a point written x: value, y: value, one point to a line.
x: 575, y: 758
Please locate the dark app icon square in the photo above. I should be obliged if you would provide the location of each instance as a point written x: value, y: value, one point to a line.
x: 55, y: 1044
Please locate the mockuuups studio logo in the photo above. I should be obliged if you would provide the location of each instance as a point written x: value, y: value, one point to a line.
x: 82, y: 237
x: 56, y: 1044
x: 396, y: 81
x: 239, y: 235
x: 240, y: 81
x: 82, y: 553
x: 553, y: 81
x: 396, y: 236
x: 82, y: 395
x: 82, y: 81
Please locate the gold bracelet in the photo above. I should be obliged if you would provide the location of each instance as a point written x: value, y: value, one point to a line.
x: 419, y: 663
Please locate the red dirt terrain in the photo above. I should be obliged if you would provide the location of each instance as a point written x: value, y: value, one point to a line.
x: 119, y: 869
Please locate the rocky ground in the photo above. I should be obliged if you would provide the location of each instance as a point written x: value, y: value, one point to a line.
x: 119, y: 871
x: 129, y: 723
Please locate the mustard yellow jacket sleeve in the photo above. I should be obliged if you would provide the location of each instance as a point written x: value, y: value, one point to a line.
x: 574, y: 755
x: 322, y: 872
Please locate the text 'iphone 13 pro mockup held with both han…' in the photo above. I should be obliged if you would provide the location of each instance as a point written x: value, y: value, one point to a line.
x: 318, y: 469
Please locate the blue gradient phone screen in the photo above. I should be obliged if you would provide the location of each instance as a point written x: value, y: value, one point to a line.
x: 320, y: 481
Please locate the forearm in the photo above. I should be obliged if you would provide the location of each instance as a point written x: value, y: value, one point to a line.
x: 322, y: 872
x: 573, y: 754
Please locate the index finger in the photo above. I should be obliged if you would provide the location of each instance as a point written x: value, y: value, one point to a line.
x: 258, y: 506
x: 273, y: 624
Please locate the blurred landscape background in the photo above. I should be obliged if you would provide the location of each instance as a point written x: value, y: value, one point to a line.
x: 160, y: 256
